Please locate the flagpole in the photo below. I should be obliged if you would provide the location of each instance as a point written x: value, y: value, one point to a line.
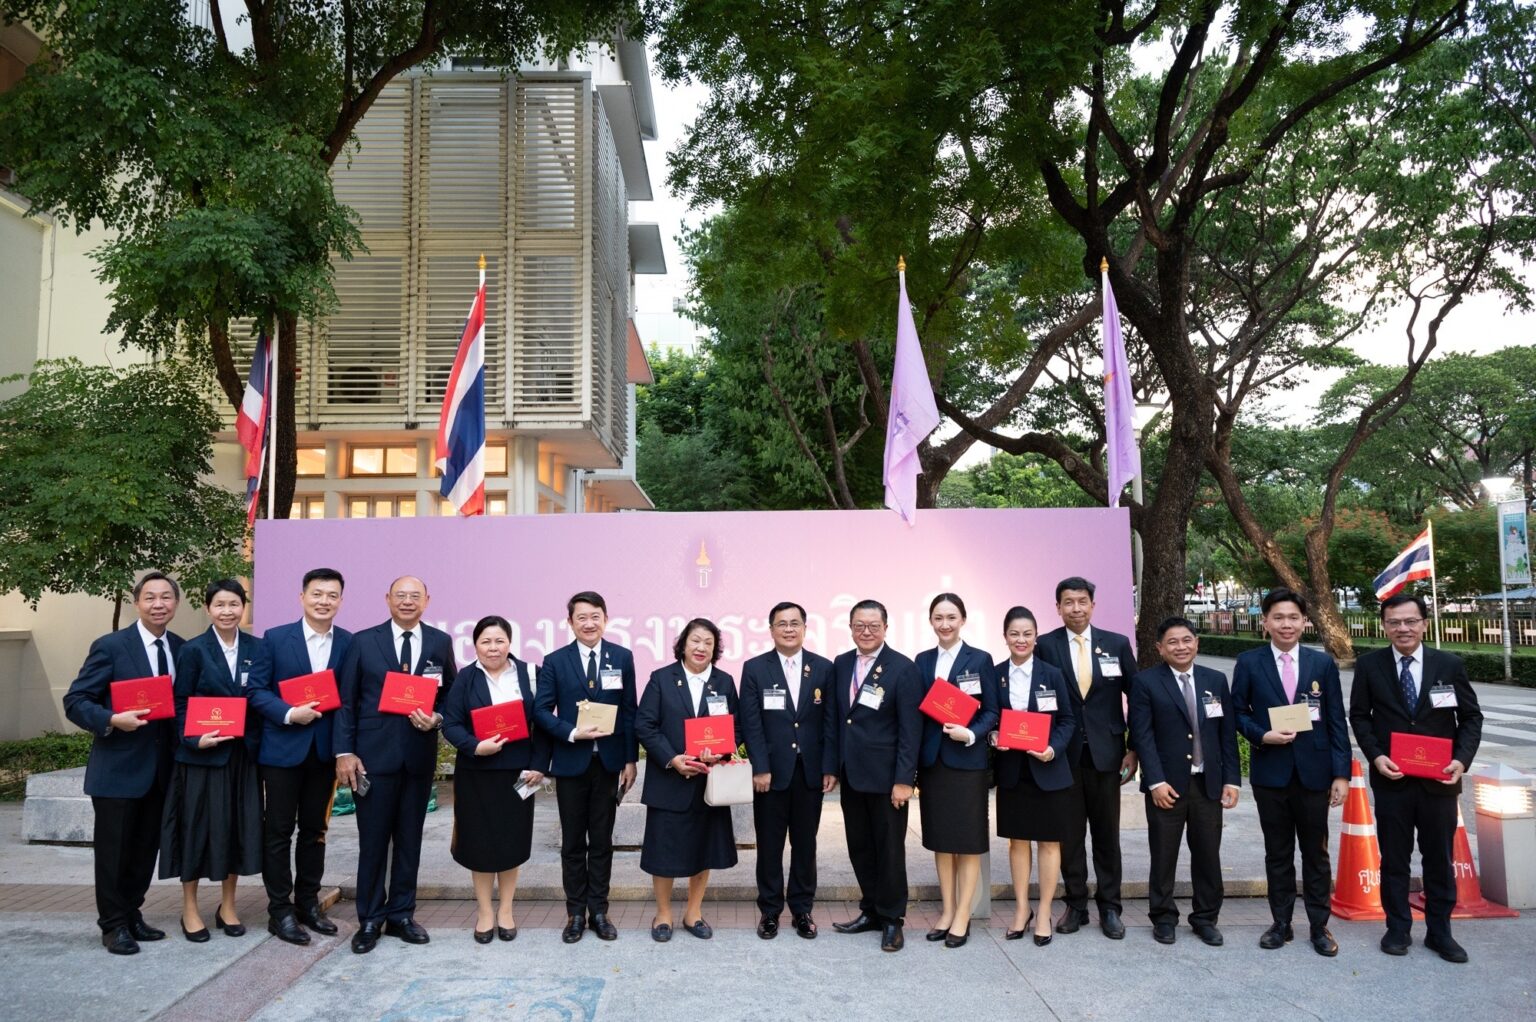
x: 272, y: 424
x: 1434, y: 585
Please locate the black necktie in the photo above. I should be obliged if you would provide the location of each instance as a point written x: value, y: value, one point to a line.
x: 591, y: 668
x: 162, y: 665
x: 405, y: 652
x: 1410, y: 690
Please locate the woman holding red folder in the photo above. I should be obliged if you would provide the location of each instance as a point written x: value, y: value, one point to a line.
x: 1033, y: 788
x: 684, y: 836
x: 211, y: 827
x: 494, y: 777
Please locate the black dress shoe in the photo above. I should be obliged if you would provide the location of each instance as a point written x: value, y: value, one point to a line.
x: 230, y: 929
x: 408, y: 930
x: 805, y: 926
x: 506, y: 933
x: 195, y: 936
x: 287, y: 929
x: 699, y: 929
x: 142, y: 931
x: 661, y: 932
x: 1109, y: 922
x: 936, y: 935
x: 366, y: 938
x: 891, y: 938
x: 1072, y: 920
x: 1446, y: 948
x: 484, y: 936
x: 1042, y: 939
x: 316, y: 920
x: 1208, y: 933
x: 1278, y: 935
x: 1164, y: 933
x: 119, y: 940
x: 1019, y: 934
x: 1396, y: 944
x: 864, y: 923
x: 604, y: 929
x: 575, y: 926
x: 1323, y: 942
x: 767, y: 928
x: 956, y: 939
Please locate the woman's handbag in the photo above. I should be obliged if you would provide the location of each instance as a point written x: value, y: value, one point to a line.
x: 729, y: 784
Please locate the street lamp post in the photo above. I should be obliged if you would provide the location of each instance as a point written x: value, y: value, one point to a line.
x: 1498, y: 487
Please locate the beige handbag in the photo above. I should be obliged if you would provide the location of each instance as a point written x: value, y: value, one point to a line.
x: 729, y: 784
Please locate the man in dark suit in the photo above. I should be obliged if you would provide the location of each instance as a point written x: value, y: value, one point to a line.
x: 1295, y: 777
x: 298, y: 765
x: 594, y: 769
x: 394, y: 757
x: 1186, y: 738
x: 1413, y: 690
x: 786, y: 710
x: 130, y: 761
x: 873, y: 748
x: 1099, y: 666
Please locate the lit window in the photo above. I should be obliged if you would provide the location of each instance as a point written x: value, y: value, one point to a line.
x: 307, y: 507
x: 495, y: 459
x: 383, y: 506
x: 381, y: 461
x: 493, y: 506
x: 311, y: 462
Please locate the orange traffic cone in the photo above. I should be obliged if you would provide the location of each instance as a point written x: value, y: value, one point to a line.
x: 1357, y: 889
x: 1470, y: 903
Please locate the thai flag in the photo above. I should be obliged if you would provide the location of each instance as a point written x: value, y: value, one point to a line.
x: 1417, y: 561
x: 251, y: 423
x: 461, y: 430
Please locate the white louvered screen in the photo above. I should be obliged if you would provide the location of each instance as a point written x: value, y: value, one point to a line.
x: 547, y: 341
x: 550, y: 155
x: 451, y: 279
x: 610, y: 290
x: 373, y: 175
x: 464, y: 156
x: 364, y: 340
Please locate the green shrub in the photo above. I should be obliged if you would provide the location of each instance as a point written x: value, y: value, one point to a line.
x: 48, y: 751
x: 1481, y: 665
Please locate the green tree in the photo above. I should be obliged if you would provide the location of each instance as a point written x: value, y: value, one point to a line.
x: 683, y: 459
x: 1011, y: 480
x: 1466, y: 551
x: 102, y: 474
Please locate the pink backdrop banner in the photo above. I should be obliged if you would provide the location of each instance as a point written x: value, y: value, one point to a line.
x: 656, y: 571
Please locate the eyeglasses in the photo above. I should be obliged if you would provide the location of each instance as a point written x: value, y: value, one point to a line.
x: 789, y: 626
x: 1404, y: 622
x: 866, y: 628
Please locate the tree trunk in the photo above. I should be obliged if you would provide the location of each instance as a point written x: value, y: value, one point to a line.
x: 1326, y: 618
x: 1165, y: 524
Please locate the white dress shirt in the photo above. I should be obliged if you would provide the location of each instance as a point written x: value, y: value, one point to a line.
x: 318, y: 645
x: 791, y: 665
x: 231, y: 652
x: 696, y: 683
x: 1416, y: 668
x: 149, y: 639
x: 395, y: 628
x: 945, y: 662
x: 503, y: 685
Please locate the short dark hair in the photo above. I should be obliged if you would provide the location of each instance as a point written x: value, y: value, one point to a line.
x: 322, y: 575
x: 491, y: 621
x: 869, y: 605
x: 1019, y: 614
x: 585, y: 596
x: 779, y: 608
x: 948, y: 598
x: 1402, y: 598
x: 681, y: 642
x: 1168, y: 624
x: 224, y: 585
x: 156, y: 576
x: 1077, y: 582
x: 1283, y: 594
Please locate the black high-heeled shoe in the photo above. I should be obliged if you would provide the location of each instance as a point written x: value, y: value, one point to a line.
x: 230, y: 929
x: 1019, y: 934
x: 937, y: 934
x: 195, y: 936
x: 484, y: 936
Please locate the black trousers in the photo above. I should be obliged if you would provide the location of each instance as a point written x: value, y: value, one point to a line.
x: 1197, y: 817
x: 390, y: 819
x: 296, y: 797
x: 877, y: 836
x: 127, y: 843
x: 1096, y: 797
x: 588, y: 804
x: 1291, y: 816
x: 1399, y: 812
x: 794, y: 812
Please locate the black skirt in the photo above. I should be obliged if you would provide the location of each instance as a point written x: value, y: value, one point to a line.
x: 492, y: 824
x: 1026, y: 812
x: 952, y: 805
x: 681, y: 844
x: 211, y: 827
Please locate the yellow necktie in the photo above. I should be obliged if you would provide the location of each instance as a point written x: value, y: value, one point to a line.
x: 1084, y: 668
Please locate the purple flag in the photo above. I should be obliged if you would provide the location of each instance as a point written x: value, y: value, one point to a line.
x: 1119, y: 407
x: 913, y: 415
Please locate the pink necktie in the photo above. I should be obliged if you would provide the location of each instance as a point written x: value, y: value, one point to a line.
x: 1288, y: 677
x: 860, y: 669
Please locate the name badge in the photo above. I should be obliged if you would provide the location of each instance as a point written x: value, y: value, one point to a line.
x: 1109, y: 666
x: 1045, y: 700
x: 774, y: 699
x: 1314, y: 707
x: 245, y: 679
x: 1442, y: 697
x: 1213, y: 707
x: 970, y: 683
x: 432, y: 672
x: 716, y: 706
x: 611, y: 680
x: 871, y: 696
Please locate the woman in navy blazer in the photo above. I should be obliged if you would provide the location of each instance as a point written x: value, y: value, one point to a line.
x: 952, y: 770
x: 212, y: 823
x: 1033, y: 788
x: 684, y: 836
x: 493, y: 779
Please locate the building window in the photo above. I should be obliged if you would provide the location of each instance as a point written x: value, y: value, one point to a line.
x: 381, y: 461
x: 493, y: 506
x: 381, y: 506
x: 307, y: 506
x: 311, y: 462
x: 495, y: 459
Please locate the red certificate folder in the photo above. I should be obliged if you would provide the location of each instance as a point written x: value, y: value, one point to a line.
x: 406, y: 692
x: 152, y: 694
x: 713, y: 735
x: 504, y: 720
x: 1024, y: 730
x: 307, y: 688
x: 948, y: 705
x: 1421, y: 755
x: 224, y: 714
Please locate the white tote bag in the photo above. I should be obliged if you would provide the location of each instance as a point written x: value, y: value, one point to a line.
x: 729, y: 784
